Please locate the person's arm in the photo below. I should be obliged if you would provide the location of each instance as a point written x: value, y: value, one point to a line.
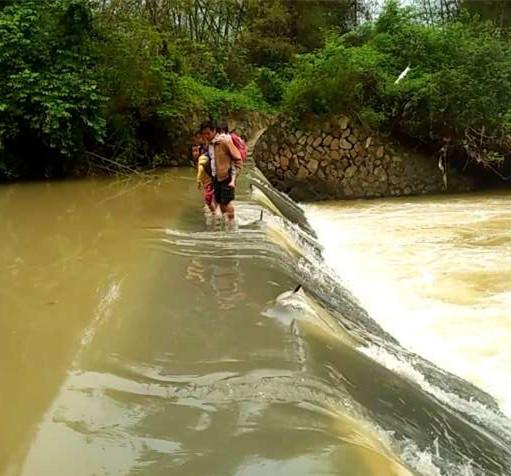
x: 235, y: 154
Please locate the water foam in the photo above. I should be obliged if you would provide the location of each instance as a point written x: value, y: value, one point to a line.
x: 434, y: 274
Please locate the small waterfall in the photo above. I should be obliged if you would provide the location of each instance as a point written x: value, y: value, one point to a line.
x: 435, y: 421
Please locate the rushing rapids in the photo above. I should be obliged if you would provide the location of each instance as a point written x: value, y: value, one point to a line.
x: 144, y: 340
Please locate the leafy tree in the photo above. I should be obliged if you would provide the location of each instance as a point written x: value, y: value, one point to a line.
x: 130, y: 79
x: 267, y: 36
x: 50, y: 107
x: 498, y: 11
x: 437, y: 11
x: 459, y: 84
x: 312, y: 20
x: 116, y: 80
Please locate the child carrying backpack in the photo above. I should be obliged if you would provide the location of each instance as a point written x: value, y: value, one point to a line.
x: 240, y: 145
x: 238, y: 142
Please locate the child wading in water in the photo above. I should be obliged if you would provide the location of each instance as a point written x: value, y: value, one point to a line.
x: 204, y: 177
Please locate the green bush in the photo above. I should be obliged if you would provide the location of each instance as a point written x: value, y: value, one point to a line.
x: 159, y: 88
x: 272, y: 84
x: 459, y: 79
x: 338, y: 79
x: 75, y: 86
x: 204, y: 100
x: 50, y: 107
x: 81, y: 79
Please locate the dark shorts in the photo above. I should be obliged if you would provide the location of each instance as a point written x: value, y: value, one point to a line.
x: 223, y: 193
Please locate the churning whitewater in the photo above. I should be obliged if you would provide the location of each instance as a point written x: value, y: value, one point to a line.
x: 434, y: 272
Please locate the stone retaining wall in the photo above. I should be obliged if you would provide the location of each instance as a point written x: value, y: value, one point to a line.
x: 335, y: 158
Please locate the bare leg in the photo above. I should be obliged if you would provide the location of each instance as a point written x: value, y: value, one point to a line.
x: 216, y: 209
x: 228, y: 212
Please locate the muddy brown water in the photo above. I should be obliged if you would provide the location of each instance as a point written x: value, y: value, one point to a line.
x: 442, y: 265
x: 140, y: 338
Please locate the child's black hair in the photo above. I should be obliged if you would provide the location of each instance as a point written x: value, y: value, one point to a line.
x: 223, y: 127
x: 209, y: 124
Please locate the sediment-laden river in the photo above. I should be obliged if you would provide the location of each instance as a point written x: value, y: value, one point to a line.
x: 138, y: 338
x: 435, y: 272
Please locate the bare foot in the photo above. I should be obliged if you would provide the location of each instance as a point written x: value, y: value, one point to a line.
x: 230, y: 224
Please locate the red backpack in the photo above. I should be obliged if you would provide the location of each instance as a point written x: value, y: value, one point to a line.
x: 239, y: 143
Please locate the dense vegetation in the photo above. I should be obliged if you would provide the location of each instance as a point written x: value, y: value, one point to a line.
x: 458, y: 87
x: 116, y: 84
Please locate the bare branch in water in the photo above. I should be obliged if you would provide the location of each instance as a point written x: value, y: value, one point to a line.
x: 116, y: 167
